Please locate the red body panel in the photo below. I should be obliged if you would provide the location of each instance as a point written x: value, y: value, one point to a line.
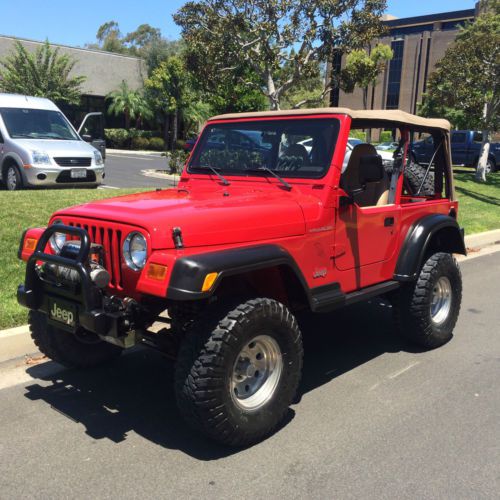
x: 329, y: 242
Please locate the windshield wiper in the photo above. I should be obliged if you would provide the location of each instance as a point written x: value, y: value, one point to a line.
x: 263, y: 168
x: 224, y: 181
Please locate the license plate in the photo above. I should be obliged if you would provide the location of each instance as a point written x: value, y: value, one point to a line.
x: 62, y: 312
x: 78, y: 173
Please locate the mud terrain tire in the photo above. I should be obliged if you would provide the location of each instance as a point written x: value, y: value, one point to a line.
x: 414, y: 175
x: 426, y: 311
x: 65, y: 348
x: 207, y: 372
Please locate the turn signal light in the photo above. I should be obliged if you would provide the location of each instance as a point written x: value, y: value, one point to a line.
x: 156, y: 272
x: 209, y: 281
x: 30, y: 244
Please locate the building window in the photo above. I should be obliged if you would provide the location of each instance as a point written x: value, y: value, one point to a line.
x: 453, y: 25
x: 394, y: 81
x: 411, y: 30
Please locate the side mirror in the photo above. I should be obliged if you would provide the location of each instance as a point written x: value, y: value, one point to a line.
x: 370, y: 169
x: 87, y: 137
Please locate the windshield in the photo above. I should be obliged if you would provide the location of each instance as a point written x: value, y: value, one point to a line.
x: 291, y: 148
x: 25, y: 123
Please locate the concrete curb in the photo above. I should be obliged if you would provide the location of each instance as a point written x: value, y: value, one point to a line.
x: 134, y: 152
x: 154, y: 173
x: 480, y: 240
x: 16, y: 342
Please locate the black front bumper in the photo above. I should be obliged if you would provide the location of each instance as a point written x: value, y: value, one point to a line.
x: 95, y: 312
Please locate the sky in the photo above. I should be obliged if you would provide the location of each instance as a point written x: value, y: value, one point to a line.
x: 76, y: 22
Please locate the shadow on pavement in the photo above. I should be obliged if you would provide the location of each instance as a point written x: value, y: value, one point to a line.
x: 135, y: 393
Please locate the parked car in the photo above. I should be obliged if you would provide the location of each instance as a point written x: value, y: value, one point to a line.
x: 385, y: 146
x: 40, y: 147
x: 189, y: 143
x: 387, y: 156
x: 465, y: 149
x: 249, y: 240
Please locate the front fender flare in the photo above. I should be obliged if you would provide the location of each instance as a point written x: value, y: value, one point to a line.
x: 418, y: 241
x: 189, y: 272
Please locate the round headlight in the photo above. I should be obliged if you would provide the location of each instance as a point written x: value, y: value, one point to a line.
x: 57, y: 240
x: 135, y: 249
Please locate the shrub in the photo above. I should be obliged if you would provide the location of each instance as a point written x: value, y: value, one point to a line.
x: 156, y: 144
x: 358, y: 134
x: 386, y: 136
x: 176, y: 160
x: 140, y: 143
x: 116, y: 137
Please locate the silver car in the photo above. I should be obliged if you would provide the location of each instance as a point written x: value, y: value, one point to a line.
x: 40, y: 147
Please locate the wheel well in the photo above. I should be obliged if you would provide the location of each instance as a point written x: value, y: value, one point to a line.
x: 447, y: 239
x: 278, y: 282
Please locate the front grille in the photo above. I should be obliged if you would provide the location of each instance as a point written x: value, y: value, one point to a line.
x: 65, y: 176
x: 111, y: 240
x: 73, y: 162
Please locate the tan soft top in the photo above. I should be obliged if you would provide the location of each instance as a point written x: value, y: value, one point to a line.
x: 377, y: 116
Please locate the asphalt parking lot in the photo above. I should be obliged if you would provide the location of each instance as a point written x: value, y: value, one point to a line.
x: 125, y: 171
x: 377, y: 419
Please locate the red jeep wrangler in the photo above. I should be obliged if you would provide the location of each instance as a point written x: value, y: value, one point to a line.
x: 267, y: 221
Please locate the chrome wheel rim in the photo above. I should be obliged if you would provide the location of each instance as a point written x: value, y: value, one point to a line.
x: 488, y: 167
x: 256, y: 373
x: 11, y: 179
x: 441, y: 300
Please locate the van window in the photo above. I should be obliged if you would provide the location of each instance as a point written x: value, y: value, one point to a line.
x: 25, y: 123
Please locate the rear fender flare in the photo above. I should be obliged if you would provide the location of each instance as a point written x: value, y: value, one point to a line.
x: 419, y: 240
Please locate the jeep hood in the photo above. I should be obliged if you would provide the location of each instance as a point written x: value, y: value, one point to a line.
x: 204, y: 217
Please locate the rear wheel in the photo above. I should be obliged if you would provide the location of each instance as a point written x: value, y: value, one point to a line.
x: 83, y: 349
x: 238, y: 371
x: 426, y: 311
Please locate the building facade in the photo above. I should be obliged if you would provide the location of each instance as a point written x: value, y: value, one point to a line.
x: 418, y: 43
x: 104, y: 71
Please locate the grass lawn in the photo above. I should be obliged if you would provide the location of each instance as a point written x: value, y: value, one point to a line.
x: 479, y: 211
x: 479, y: 204
x: 23, y: 209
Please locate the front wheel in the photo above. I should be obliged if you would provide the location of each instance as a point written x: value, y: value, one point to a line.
x: 426, y: 311
x: 80, y: 350
x: 13, y: 179
x: 238, y: 371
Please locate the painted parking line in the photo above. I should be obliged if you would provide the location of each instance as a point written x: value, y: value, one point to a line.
x: 107, y: 187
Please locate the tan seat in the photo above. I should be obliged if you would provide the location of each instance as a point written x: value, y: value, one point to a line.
x: 375, y: 193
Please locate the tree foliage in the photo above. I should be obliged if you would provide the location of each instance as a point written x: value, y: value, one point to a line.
x: 43, y: 73
x: 130, y: 103
x: 260, y: 37
x: 362, y: 69
x: 145, y: 42
x: 465, y: 84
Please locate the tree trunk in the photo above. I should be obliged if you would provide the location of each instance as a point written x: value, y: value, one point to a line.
x: 483, y: 157
x: 485, y: 147
x: 175, y: 127
x: 166, y: 129
x: 272, y: 95
x: 127, y: 119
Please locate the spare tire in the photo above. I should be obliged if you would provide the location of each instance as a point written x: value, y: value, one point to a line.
x: 415, y: 174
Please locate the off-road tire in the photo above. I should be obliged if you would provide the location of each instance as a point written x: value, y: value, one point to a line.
x: 65, y: 348
x: 414, y: 175
x: 206, y: 359
x: 412, y: 305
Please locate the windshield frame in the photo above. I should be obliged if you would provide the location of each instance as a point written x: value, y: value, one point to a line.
x: 16, y: 137
x: 334, y: 120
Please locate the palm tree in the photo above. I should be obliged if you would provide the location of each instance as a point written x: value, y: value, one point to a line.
x: 130, y: 103
x: 43, y: 73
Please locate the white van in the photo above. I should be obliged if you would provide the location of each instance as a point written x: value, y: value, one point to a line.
x: 40, y: 147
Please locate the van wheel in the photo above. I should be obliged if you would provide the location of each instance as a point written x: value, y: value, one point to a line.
x: 13, y: 179
x: 426, y: 311
x: 82, y: 350
x: 238, y: 371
